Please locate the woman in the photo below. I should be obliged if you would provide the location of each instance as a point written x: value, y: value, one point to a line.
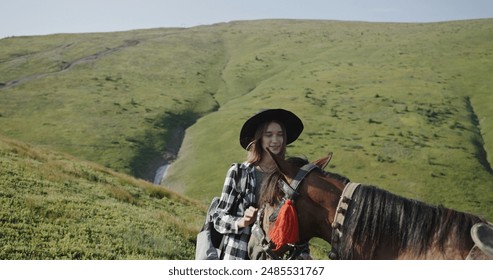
x: 271, y: 129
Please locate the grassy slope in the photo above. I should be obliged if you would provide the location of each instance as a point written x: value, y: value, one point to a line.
x: 54, y: 206
x: 115, y: 109
x: 402, y: 106
x: 393, y: 101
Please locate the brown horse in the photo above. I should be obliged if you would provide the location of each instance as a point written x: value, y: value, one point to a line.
x: 375, y: 223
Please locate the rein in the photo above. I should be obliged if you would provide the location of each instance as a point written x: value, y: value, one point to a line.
x: 290, y: 193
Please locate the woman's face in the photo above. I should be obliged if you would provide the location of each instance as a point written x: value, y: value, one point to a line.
x: 273, y: 138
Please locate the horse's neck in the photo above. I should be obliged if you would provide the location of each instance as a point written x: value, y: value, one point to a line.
x: 319, y: 205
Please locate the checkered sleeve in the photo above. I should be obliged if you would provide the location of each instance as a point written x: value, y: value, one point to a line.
x: 225, y: 217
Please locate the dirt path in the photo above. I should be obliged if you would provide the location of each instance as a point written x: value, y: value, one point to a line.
x: 69, y: 65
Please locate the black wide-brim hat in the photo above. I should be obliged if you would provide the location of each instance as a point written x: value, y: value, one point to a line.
x: 293, y: 125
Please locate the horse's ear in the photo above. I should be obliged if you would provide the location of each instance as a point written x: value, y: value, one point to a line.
x: 323, y: 162
x: 288, y: 170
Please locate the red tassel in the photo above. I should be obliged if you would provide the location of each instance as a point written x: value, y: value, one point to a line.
x: 285, y: 229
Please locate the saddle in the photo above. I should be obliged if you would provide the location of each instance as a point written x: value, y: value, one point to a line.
x: 482, y: 235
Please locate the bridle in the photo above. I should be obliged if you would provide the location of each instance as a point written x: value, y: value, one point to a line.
x: 290, y: 193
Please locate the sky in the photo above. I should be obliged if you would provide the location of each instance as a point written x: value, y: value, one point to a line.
x: 42, y: 17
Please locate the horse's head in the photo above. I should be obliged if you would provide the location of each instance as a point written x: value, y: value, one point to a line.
x: 315, y: 198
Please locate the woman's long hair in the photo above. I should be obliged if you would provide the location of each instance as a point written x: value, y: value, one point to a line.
x: 255, y: 150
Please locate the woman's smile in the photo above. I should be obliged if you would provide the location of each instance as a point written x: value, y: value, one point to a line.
x: 273, y: 138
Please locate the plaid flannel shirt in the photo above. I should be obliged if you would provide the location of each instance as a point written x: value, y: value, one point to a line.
x: 226, y: 218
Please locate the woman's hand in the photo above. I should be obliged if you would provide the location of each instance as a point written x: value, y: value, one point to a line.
x: 248, y: 218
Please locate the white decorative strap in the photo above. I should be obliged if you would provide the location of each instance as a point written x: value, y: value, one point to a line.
x: 340, y: 215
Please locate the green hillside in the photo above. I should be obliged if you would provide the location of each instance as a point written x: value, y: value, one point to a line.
x: 403, y: 106
x: 54, y: 206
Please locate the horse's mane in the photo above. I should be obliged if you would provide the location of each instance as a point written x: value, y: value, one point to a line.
x: 378, y: 217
